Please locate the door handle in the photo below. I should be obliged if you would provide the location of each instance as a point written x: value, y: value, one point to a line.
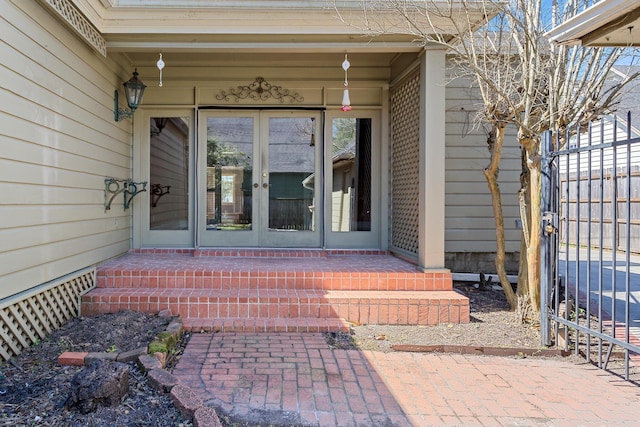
x: 265, y: 185
x: 255, y: 185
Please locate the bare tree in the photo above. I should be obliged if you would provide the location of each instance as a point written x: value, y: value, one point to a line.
x: 523, y: 82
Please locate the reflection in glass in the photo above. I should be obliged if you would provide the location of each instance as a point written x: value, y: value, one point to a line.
x: 351, y: 161
x: 229, y: 170
x: 169, y: 173
x: 291, y: 173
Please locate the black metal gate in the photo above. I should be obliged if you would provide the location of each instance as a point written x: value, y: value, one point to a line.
x: 590, y: 287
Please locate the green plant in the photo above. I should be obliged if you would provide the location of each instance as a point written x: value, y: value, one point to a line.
x: 112, y: 349
x: 168, y: 338
x: 578, y: 314
x: 157, y: 347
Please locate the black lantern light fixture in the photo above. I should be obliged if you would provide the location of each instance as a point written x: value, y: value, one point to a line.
x: 133, y: 90
x: 160, y: 123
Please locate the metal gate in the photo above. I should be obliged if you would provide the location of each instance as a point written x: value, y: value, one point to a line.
x: 590, y: 287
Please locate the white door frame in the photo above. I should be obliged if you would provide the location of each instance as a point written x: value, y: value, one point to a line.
x: 356, y: 239
x: 142, y: 234
x: 143, y: 237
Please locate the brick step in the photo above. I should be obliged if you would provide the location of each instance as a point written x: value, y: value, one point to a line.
x: 261, y: 253
x: 364, y: 307
x: 227, y: 280
x: 341, y: 272
x: 258, y: 252
x: 300, y: 324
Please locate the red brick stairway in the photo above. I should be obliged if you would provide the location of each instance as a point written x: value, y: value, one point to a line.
x: 276, y: 290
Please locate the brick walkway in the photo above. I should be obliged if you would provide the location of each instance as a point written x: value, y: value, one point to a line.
x: 296, y: 379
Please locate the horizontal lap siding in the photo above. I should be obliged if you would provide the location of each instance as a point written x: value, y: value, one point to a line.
x: 59, y: 143
x: 469, y: 223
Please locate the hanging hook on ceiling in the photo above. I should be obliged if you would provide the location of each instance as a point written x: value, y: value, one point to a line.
x: 345, y: 66
x: 160, y: 65
x: 346, y: 102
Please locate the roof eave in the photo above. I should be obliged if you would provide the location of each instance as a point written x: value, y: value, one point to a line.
x: 581, y: 28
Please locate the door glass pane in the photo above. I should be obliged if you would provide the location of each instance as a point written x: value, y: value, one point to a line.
x: 291, y: 173
x: 351, y: 165
x: 169, y: 173
x: 229, y: 173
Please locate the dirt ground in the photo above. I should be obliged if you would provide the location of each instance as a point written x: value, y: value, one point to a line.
x: 492, y: 325
x: 34, y: 388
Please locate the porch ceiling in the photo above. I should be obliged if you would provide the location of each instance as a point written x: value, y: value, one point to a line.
x: 225, y: 58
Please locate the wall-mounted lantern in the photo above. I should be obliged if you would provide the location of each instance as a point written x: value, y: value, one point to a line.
x: 133, y: 90
x: 160, y: 123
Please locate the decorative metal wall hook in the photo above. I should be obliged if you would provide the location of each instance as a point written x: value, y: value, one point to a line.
x: 157, y: 191
x: 112, y: 187
x: 131, y: 189
x: 260, y: 90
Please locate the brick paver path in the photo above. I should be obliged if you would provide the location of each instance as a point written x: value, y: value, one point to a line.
x: 296, y: 379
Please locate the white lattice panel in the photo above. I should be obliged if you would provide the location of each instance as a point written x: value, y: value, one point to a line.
x: 67, y: 11
x: 26, y: 320
x: 405, y: 143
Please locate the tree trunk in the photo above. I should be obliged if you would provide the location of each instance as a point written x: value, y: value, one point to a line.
x: 522, y: 291
x: 523, y: 195
x: 495, y: 142
x: 535, y: 228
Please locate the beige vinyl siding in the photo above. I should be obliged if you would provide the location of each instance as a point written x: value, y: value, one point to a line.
x: 469, y: 223
x: 59, y: 142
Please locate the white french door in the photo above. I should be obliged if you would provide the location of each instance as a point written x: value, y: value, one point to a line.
x: 164, y: 212
x: 259, y: 178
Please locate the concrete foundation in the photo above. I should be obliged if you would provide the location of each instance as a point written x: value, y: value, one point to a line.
x: 480, y: 262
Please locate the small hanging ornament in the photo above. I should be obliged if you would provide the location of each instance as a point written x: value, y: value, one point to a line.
x: 346, y: 101
x: 160, y: 65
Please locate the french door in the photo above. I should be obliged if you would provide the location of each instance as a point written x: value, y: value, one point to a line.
x: 259, y: 179
x: 165, y: 157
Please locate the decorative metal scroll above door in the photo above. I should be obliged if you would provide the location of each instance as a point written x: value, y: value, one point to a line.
x: 260, y: 90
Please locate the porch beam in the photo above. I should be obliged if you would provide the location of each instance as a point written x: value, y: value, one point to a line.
x: 269, y: 47
x: 432, y: 158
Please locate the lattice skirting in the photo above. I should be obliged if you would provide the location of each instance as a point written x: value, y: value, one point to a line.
x: 30, y: 316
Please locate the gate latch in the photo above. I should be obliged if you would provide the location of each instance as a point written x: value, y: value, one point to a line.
x: 550, y: 223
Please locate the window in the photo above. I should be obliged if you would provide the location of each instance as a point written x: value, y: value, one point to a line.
x: 227, y: 188
x: 351, y: 164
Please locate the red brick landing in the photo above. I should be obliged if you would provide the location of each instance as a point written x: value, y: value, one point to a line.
x: 276, y: 290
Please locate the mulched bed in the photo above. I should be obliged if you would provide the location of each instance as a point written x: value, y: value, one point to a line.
x: 34, y: 388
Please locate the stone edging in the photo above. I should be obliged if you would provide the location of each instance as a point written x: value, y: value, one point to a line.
x: 481, y: 350
x: 153, y: 364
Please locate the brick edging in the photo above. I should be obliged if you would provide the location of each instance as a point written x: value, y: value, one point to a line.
x: 182, y: 396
